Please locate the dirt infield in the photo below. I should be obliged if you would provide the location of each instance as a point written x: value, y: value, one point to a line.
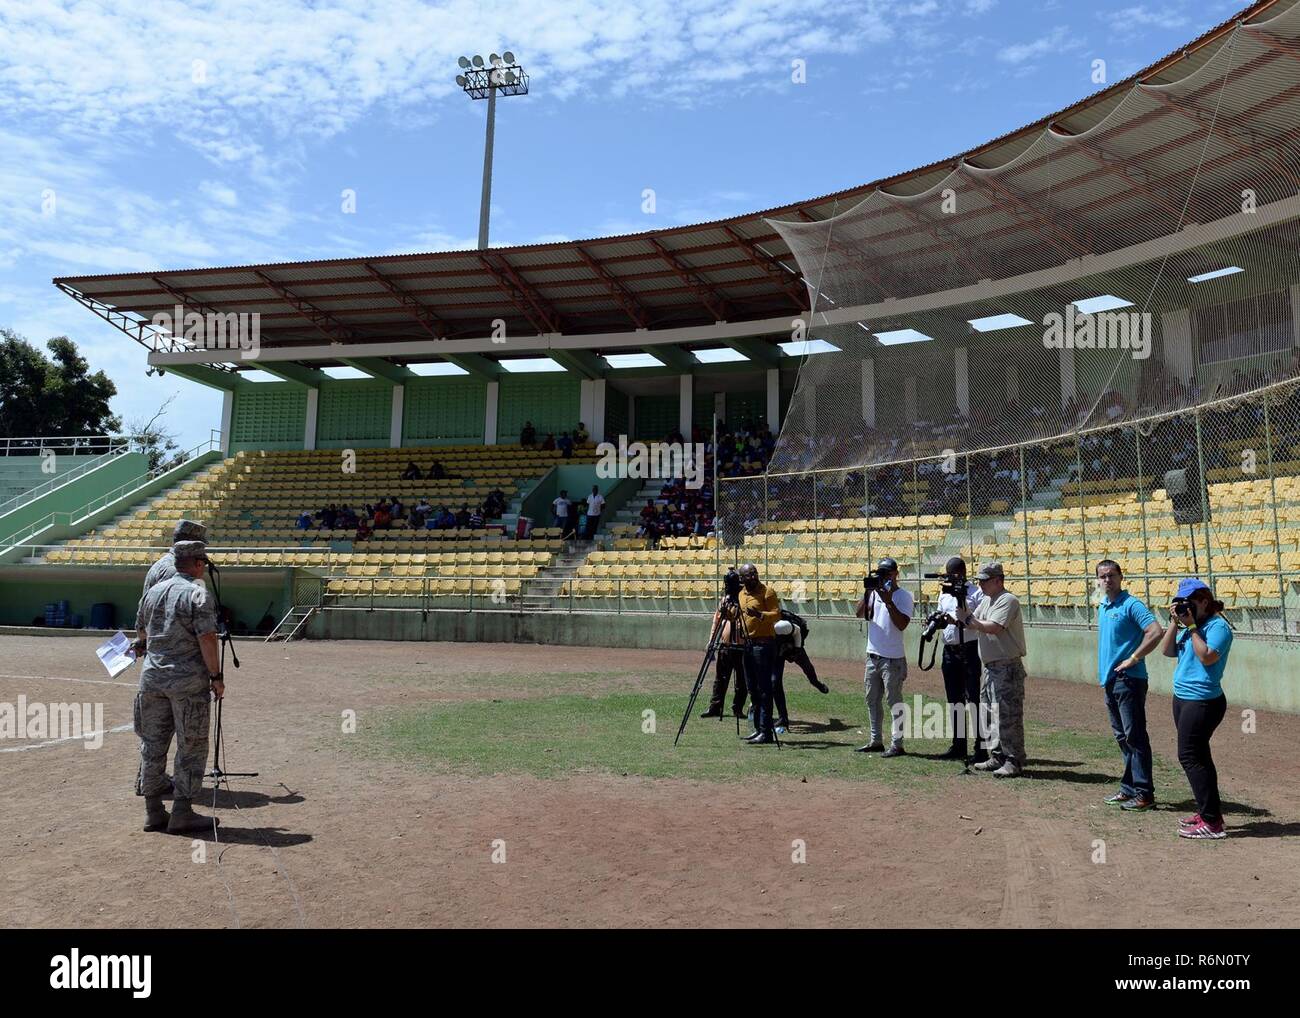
x: 330, y: 837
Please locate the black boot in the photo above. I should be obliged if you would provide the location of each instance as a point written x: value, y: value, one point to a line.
x: 155, y: 814
x: 185, y: 821
x: 712, y: 712
x: 762, y: 739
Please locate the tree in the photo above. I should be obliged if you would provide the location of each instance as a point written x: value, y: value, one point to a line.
x: 40, y: 396
x: 154, y: 440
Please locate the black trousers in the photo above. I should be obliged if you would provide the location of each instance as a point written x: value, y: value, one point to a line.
x: 1196, y: 721
x: 728, y: 663
x: 760, y: 667
x: 961, y: 685
x: 800, y: 657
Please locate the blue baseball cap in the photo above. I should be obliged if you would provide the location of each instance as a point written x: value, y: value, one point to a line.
x: 1189, y: 586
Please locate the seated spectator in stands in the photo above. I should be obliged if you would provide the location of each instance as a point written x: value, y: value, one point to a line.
x: 565, y: 445
x: 395, y: 508
x: 412, y: 472
x: 462, y: 517
x: 495, y: 505
x: 580, y: 435
x: 364, y: 530
x: 346, y: 520
x: 304, y: 520
x: 436, y: 472
x: 441, y: 520
x: 703, y: 524
x: 422, y: 509
x: 328, y: 517
x: 383, y: 515
x: 549, y: 444
x: 528, y: 436
x: 476, y: 519
x: 648, y: 512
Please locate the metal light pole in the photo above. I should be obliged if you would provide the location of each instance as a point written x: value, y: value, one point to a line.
x: 483, y: 80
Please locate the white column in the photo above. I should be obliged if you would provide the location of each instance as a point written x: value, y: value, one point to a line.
x: 909, y: 398
x: 227, y: 419
x: 395, y: 427
x: 1176, y: 342
x: 1295, y: 315
x: 774, y: 399
x: 309, y: 431
x: 587, y: 402
x: 685, y: 405
x: 720, y: 408
x: 1013, y: 382
x: 596, y: 422
x: 1067, y: 376
x: 961, y: 371
x: 490, y: 413
x: 869, y: 391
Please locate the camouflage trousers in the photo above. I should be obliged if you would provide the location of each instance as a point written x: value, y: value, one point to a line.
x: 159, y: 716
x: 1002, y: 703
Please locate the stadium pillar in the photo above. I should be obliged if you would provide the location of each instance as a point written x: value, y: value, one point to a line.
x: 1295, y: 315
x: 961, y: 373
x: 774, y: 399
x: 490, y: 413
x: 869, y: 392
x: 309, y: 430
x: 227, y: 418
x: 587, y: 403
x: 685, y: 405
x: 1067, y: 376
x: 1176, y: 345
x: 395, y: 426
x: 596, y: 422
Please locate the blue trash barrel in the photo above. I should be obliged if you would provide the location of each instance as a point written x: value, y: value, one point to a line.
x: 102, y: 615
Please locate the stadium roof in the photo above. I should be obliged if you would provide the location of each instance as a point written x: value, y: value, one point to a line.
x: 734, y: 270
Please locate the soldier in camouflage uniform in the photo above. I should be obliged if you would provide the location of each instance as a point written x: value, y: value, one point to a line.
x: 1001, y: 631
x: 177, y: 623
x: 165, y: 567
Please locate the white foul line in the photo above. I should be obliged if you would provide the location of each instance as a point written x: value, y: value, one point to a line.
x: 70, y: 738
x: 64, y: 678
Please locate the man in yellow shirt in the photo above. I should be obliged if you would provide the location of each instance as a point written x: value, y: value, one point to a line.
x: 757, y: 614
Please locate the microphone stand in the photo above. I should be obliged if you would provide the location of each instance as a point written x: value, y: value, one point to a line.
x: 223, y: 635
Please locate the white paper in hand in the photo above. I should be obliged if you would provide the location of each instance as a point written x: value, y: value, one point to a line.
x: 116, y: 654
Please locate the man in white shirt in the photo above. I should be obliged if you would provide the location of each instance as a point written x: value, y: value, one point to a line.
x: 888, y: 610
x: 595, y: 503
x: 961, y: 666
x: 561, y: 508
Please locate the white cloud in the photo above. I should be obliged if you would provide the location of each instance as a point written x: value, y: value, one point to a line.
x: 1058, y: 41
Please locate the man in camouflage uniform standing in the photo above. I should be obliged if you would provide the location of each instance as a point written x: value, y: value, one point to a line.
x: 177, y: 624
x: 165, y: 567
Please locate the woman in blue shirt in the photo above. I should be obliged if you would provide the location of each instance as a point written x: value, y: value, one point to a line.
x: 1200, y: 639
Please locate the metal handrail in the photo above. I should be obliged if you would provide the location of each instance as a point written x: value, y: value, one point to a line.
x: 23, y: 445
x: 54, y: 483
x: 81, y: 512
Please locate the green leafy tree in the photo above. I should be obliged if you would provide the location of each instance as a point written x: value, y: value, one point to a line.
x: 59, y: 396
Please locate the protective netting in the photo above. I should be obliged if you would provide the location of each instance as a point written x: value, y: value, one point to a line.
x: 974, y: 402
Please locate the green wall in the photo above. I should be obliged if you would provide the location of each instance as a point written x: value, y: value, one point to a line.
x: 656, y: 417
x: 99, y: 481
x: 616, y: 413
x: 354, y: 413
x: 550, y: 401
x: 443, y: 411
x: 744, y: 408
x: 268, y: 415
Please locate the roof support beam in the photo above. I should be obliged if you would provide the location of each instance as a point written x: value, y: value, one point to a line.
x: 580, y: 362
x: 324, y: 322
x: 297, y: 373
x: 675, y: 357
x: 760, y: 351
x: 946, y: 237
x: 530, y: 303
x: 475, y: 364
x: 204, y: 375
x: 429, y: 321
x: 377, y: 367
x: 791, y: 282
x: 1063, y: 241
x: 616, y: 290
x: 707, y: 294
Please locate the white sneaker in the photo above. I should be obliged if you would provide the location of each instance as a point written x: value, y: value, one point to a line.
x: 1007, y: 770
x: 990, y: 764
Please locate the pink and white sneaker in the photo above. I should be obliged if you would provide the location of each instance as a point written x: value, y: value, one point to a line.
x: 1204, y: 831
x: 1190, y: 821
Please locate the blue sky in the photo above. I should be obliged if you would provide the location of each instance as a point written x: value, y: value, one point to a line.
x: 173, y: 135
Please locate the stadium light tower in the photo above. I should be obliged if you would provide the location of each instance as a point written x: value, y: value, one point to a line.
x: 483, y: 80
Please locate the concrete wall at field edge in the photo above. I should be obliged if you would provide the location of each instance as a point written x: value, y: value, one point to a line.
x: 1261, y: 673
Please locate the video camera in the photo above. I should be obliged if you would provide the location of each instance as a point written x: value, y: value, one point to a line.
x: 950, y: 584
x: 933, y: 623
x: 731, y: 586
x: 874, y: 580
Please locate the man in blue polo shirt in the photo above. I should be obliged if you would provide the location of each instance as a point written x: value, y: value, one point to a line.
x: 1126, y: 633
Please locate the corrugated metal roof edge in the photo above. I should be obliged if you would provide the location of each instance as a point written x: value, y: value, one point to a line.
x: 1249, y: 13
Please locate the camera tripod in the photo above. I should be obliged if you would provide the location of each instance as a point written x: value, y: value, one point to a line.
x: 223, y: 635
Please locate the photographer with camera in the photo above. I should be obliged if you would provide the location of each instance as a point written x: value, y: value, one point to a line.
x: 887, y: 609
x: 1126, y: 633
x: 1200, y: 638
x: 730, y: 659
x: 961, y: 659
x: 1001, y: 630
x: 755, y: 614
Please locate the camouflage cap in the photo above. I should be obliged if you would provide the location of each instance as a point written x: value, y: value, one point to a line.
x: 188, y: 551
x: 188, y: 530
